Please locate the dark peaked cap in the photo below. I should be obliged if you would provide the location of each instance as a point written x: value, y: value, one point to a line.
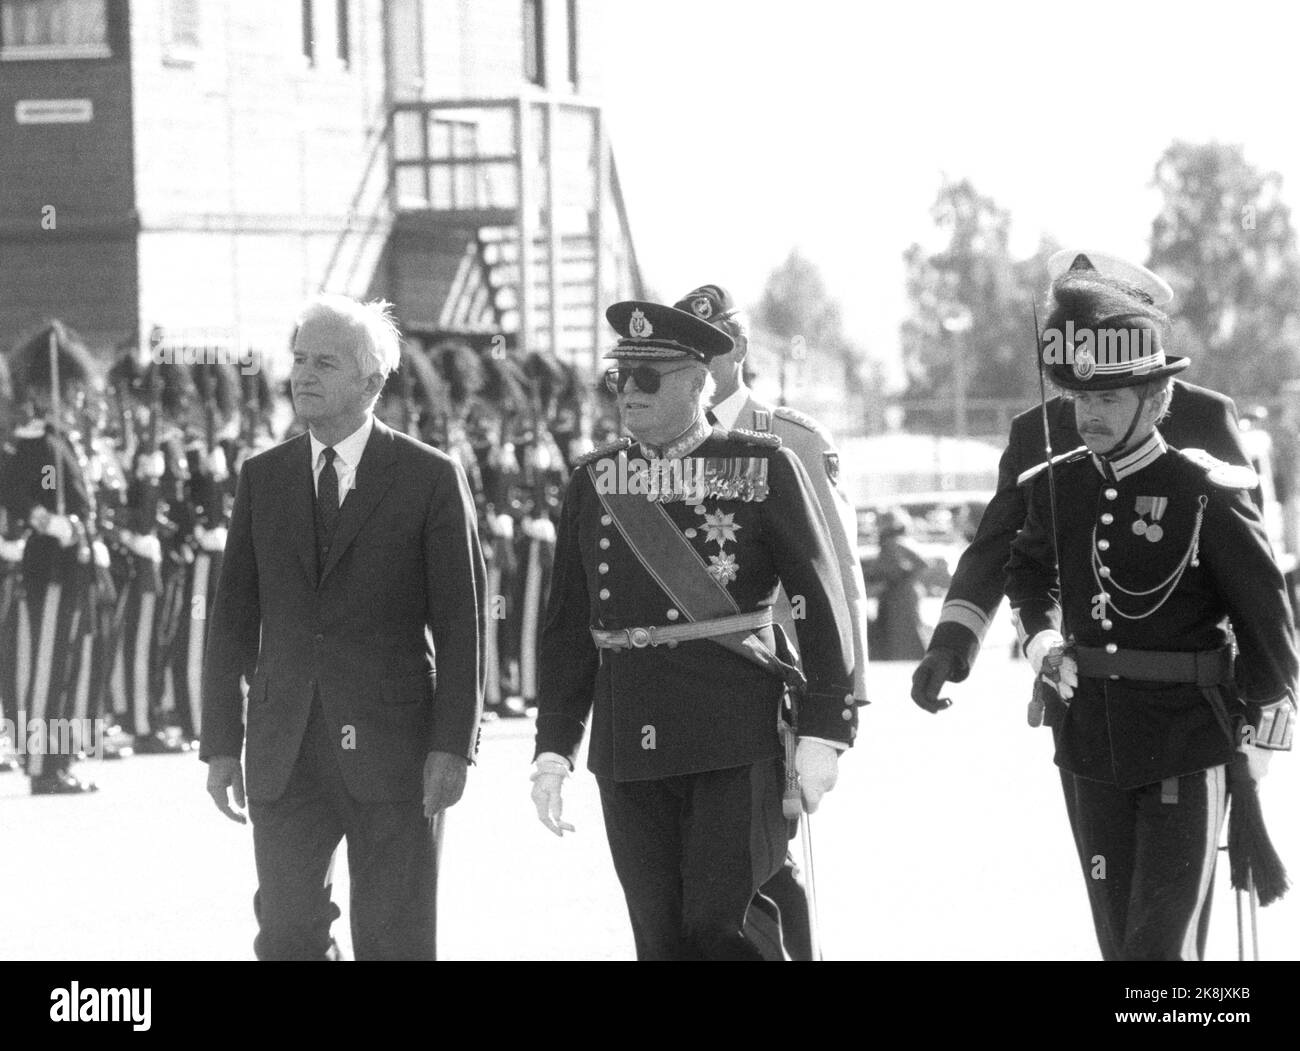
x: 713, y: 303
x: 654, y: 332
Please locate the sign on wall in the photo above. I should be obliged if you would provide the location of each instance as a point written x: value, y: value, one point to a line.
x: 54, y: 111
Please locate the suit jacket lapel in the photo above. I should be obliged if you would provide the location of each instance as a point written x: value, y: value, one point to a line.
x: 373, y: 478
x: 301, y: 488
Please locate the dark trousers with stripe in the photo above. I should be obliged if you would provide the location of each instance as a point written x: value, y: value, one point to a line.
x: 691, y: 853
x: 1148, y: 857
x: 15, y: 645
x: 391, y: 862
x: 58, y: 603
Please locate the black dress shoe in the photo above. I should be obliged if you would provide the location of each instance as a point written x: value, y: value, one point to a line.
x: 61, y: 784
x: 116, y: 743
x: 160, y: 743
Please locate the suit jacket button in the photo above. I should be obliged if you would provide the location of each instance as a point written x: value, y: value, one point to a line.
x: 320, y: 638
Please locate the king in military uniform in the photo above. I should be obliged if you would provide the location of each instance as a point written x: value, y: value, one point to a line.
x: 659, y: 629
x: 1160, y: 548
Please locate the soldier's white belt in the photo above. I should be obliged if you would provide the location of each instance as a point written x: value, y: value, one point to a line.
x: 671, y: 634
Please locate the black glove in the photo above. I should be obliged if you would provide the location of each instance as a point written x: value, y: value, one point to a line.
x: 935, y: 669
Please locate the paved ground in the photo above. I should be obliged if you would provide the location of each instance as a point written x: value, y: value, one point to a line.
x: 945, y: 839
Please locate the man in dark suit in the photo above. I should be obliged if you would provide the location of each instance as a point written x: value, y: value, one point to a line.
x: 1198, y: 418
x: 352, y: 559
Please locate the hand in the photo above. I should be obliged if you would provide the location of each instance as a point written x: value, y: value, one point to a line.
x: 152, y: 466
x: 548, y: 780
x: 147, y: 547
x: 216, y: 465
x: 444, y: 781
x: 1047, y: 656
x: 57, y: 526
x: 212, y: 540
x: 935, y: 669
x: 1257, y: 760
x: 12, y: 550
x: 818, y: 766
x: 225, y: 772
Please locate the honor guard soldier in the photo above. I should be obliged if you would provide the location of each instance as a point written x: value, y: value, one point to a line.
x: 1198, y: 418
x: 671, y: 548
x: 1159, y: 548
x: 43, y: 488
x: 735, y: 405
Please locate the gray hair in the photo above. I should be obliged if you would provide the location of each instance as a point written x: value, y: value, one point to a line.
x: 378, y: 341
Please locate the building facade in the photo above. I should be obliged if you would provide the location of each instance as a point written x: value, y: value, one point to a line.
x: 204, y: 165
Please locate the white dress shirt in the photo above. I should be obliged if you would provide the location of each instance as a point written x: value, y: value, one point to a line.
x: 347, y: 455
x: 727, y: 411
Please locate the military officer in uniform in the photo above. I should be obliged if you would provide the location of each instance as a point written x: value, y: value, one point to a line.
x: 1197, y: 418
x: 44, y: 488
x: 1157, y: 546
x: 735, y: 405
x: 671, y: 548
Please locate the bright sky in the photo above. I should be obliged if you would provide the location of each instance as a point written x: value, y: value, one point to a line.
x: 745, y: 128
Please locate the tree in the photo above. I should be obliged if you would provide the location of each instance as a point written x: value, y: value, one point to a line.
x: 800, y: 323
x: 1223, y: 239
x: 970, y: 331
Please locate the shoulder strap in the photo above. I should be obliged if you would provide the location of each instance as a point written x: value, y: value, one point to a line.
x: 677, y: 567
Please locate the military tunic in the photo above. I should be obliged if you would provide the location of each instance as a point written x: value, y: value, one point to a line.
x: 708, y: 708
x: 1198, y: 418
x: 1159, y: 550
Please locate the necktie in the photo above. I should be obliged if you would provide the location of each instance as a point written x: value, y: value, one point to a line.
x: 327, y: 499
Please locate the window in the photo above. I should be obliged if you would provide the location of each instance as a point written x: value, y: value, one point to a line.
x: 308, y: 32
x: 343, y: 39
x: 534, y: 43
x: 573, y: 43
x: 405, y: 49
x: 54, y: 29
x: 181, y: 32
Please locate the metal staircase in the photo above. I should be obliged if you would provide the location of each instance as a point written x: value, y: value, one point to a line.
x: 506, y: 218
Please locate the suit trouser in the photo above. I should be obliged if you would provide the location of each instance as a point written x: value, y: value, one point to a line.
x: 1148, y: 856
x: 390, y: 859
x: 691, y: 852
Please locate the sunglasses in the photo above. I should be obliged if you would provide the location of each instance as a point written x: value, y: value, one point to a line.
x: 647, y: 378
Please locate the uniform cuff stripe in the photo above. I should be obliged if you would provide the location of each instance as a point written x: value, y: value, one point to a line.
x: 966, y: 614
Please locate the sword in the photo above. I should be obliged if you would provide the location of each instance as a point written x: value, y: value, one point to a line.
x: 792, y: 809
x: 437, y: 824
x: 1037, y: 703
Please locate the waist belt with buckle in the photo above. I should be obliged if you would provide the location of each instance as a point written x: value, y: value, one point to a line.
x: 1202, y: 667
x: 671, y: 634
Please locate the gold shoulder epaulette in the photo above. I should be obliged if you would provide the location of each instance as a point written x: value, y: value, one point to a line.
x: 784, y: 412
x: 772, y: 441
x: 1219, y: 472
x: 1037, y: 469
x: 609, y: 449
